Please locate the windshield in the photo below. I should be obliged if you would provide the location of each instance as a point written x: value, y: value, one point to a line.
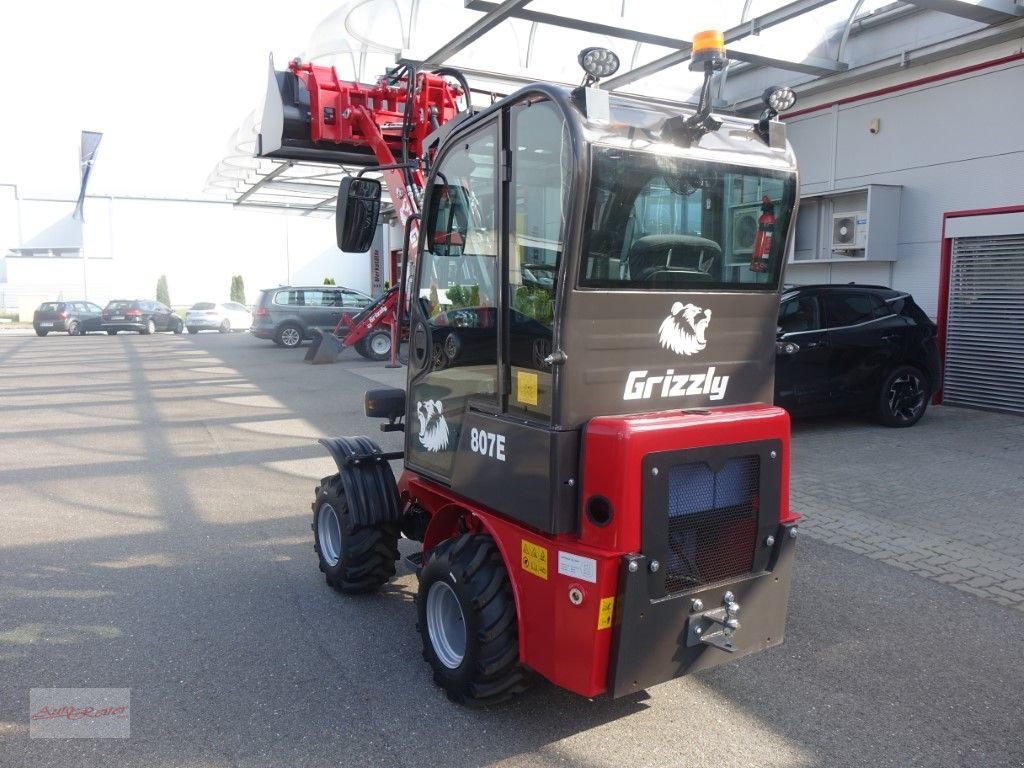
x: 657, y: 223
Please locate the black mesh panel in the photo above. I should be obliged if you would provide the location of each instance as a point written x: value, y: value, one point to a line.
x: 712, y: 522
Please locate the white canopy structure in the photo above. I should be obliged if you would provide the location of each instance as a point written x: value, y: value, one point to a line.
x: 813, y: 45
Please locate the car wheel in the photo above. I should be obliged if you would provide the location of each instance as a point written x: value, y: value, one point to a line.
x: 378, y: 345
x: 467, y: 618
x: 111, y: 331
x: 904, y: 397
x: 193, y: 329
x: 178, y: 327
x: 41, y: 333
x: 150, y: 327
x: 74, y: 329
x: 288, y: 336
x: 225, y: 327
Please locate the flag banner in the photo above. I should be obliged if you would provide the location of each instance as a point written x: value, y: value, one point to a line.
x: 90, y: 144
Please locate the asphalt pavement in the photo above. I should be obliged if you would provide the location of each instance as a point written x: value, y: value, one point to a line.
x: 155, y: 536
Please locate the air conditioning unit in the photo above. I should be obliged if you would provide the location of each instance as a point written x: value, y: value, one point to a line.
x: 744, y: 228
x: 849, y: 231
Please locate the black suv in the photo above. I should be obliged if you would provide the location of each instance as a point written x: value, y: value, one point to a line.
x: 855, y: 348
x: 290, y: 314
x: 75, y: 317
x: 140, y: 315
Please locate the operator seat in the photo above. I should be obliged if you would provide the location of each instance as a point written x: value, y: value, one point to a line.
x: 671, y: 261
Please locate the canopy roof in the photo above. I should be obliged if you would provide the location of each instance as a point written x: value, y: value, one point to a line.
x: 815, y: 45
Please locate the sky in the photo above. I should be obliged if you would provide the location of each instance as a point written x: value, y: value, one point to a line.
x: 167, y: 84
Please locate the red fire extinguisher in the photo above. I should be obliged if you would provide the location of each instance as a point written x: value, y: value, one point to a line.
x: 765, y: 233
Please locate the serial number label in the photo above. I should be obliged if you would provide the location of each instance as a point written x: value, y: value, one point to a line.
x: 487, y: 443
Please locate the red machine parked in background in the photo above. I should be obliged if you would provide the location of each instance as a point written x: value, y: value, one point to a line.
x: 592, y: 463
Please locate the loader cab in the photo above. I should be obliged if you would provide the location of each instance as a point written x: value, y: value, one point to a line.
x: 575, y: 267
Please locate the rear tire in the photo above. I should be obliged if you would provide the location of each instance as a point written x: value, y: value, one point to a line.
x: 288, y: 336
x: 467, y: 619
x: 225, y: 327
x: 353, y: 560
x: 192, y: 329
x: 179, y: 327
x: 150, y: 328
x: 904, y: 397
x: 378, y: 345
x: 74, y: 329
x: 111, y: 331
x: 41, y: 333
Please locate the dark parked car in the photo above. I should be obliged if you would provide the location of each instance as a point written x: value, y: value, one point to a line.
x: 74, y: 317
x: 289, y: 314
x: 845, y: 348
x: 140, y: 315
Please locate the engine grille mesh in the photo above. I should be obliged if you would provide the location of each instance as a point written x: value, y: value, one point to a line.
x: 712, y: 522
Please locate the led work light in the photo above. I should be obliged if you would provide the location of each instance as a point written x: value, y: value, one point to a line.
x: 598, y: 63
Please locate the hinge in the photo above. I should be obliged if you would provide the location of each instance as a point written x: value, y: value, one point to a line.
x: 506, y: 165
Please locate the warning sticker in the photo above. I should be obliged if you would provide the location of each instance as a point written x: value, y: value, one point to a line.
x: 526, y: 387
x: 535, y: 559
x: 604, y: 613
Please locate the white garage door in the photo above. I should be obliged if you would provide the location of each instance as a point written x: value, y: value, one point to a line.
x: 985, y: 330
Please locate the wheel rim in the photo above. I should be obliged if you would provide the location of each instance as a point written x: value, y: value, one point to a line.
x: 906, y: 396
x: 290, y: 337
x: 328, y: 534
x: 150, y: 327
x: 446, y: 625
x: 225, y: 327
x: 73, y: 329
x: 380, y: 344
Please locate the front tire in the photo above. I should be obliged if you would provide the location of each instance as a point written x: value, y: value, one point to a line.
x: 193, y: 329
x: 225, y: 327
x: 288, y: 336
x: 111, y: 331
x: 904, y: 397
x: 378, y: 345
x: 467, y: 619
x: 353, y: 560
x: 179, y: 327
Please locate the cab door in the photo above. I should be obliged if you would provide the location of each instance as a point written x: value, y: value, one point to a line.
x: 453, y: 357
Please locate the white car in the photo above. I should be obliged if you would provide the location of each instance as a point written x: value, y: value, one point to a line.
x: 225, y: 317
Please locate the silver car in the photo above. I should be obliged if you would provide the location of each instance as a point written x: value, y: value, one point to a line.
x: 225, y: 316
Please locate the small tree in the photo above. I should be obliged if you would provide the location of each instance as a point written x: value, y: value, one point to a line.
x: 238, y: 289
x: 329, y: 281
x: 162, y: 294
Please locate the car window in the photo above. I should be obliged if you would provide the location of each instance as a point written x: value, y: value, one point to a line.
x: 236, y: 306
x: 799, y: 314
x: 353, y: 299
x: 119, y: 305
x: 204, y: 305
x: 92, y: 307
x: 50, y: 306
x: 848, y: 308
x: 290, y: 298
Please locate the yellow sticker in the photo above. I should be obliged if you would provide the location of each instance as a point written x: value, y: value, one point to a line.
x: 604, y: 613
x: 535, y: 559
x: 526, y: 387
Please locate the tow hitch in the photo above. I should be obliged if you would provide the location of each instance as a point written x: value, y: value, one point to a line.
x: 716, y: 626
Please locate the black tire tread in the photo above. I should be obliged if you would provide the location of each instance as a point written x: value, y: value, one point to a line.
x: 495, y: 673
x: 368, y: 554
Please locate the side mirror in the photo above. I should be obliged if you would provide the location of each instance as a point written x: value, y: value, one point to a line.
x: 358, y: 208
